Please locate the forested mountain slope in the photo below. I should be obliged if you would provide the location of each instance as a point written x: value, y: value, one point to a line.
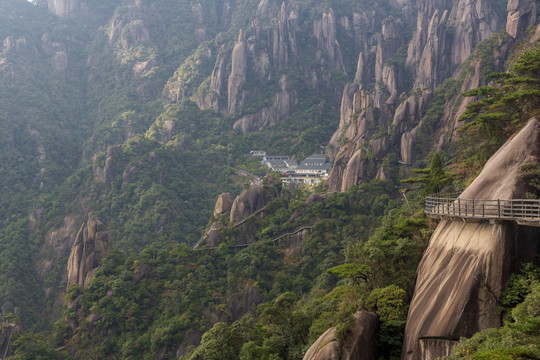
x: 140, y: 113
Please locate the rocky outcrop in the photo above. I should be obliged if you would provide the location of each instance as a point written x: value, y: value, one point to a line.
x: 243, y: 299
x: 521, y: 15
x: 353, y: 139
x: 223, y: 205
x: 465, y: 267
x: 445, y: 36
x: 282, y: 104
x: 472, y: 21
x: 204, y: 13
x: 129, y: 28
x: 63, y: 7
x: 56, y: 246
x: 103, y: 170
x: 217, y: 88
x: 324, y: 29
x: 90, y: 247
x: 247, y: 203
x: 361, y: 345
x: 238, y: 72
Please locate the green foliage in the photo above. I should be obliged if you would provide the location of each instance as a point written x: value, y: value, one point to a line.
x: 530, y: 175
x: 390, y: 305
x: 32, y: 346
x: 220, y: 342
x: 435, y: 112
x: 393, y: 251
x: 97, y: 137
x: 500, y: 110
x: 434, y: 178
x: 355, y: 272
x: 519, y: 286
x: 519, y: 339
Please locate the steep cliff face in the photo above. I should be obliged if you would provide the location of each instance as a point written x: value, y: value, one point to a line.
x: 256, y: 79
x: 257, y: 56
x: 283, y: 103
x: 521, y: 15
x: 90, y: 246
x: 387, y: 119
x: 247, y: 203
x: 435, y: 51
x: 465, y: 267
x: 238, y: 72
x: 63, y: 7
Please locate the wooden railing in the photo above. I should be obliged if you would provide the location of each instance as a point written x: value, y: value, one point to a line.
x: 526, y: 211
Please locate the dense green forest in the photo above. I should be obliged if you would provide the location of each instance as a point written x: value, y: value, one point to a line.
x: 106, y: 112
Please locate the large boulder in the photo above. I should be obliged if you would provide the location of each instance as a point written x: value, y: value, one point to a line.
x: 361, y: 345
x: 223, y: 204
x: 247, y: 203
x: 466, y: 265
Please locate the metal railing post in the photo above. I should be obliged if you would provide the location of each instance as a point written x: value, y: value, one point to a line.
x: 514, y: 209
x: 511, y: 209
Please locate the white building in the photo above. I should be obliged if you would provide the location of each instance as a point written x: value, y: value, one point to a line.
x: 260, y: 153
x: 314, y: 165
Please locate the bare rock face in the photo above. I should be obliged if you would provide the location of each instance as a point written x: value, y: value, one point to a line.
x: 362, y: 345
x: 446, y: 34
x: 90, y: 247
x: 431, y: 57
x: 282, y: 105
x: 247, y: 203
x: 500, y: 177
x: 223, y: 204
x: 104, y: 172
x: 250, y: 203
x: 324, y: 30
x: 129, y: 28
x: 270, y: 44
x: 217, y: 87
x: 521, y: 15
x: 358, y: 122
x: 238, y: 72
x: 325, y: 348
x: 243, y: 300
x: 63, y: 7
x: 473, y: 22
x: 465, y: 267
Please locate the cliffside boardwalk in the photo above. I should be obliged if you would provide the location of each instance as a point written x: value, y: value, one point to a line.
x: 523, y: 211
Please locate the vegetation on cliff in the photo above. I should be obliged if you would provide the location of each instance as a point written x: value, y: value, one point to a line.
x: 89, y: 125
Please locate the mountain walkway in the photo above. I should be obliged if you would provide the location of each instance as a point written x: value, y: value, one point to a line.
x: 276, y: 241
x: 523, y: 211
